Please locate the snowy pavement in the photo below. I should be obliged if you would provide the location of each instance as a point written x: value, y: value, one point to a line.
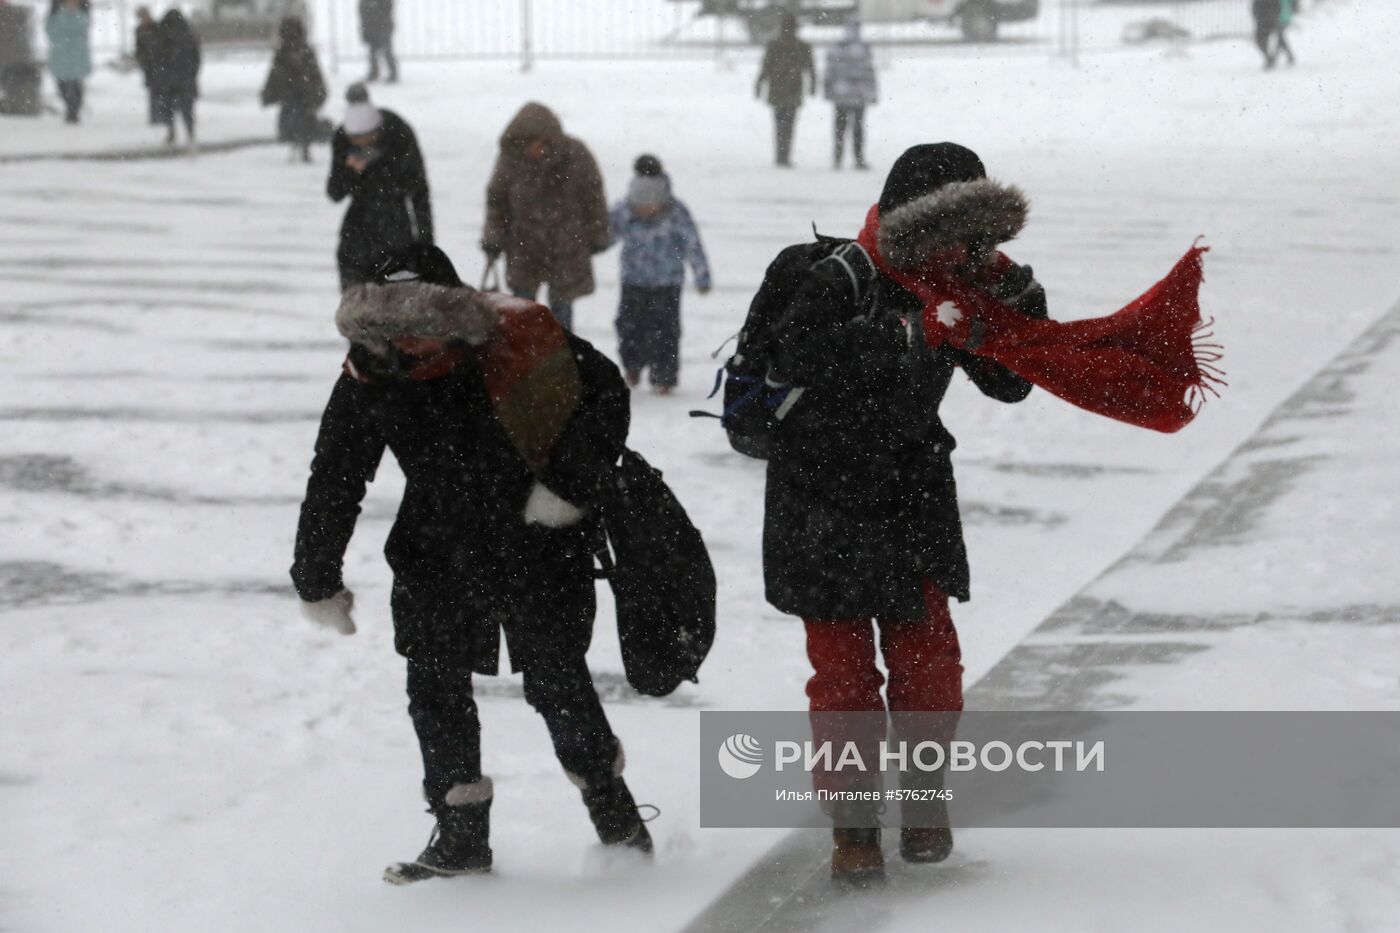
x: 178, y: 749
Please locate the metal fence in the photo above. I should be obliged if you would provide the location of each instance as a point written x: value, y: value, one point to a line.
x: 524, y: 31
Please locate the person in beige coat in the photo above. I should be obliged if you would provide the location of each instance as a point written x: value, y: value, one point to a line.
x: 545, y: 211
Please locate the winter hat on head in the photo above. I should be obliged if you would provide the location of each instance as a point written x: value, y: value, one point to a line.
x: 361, y: 116
x: 649, y: 191
x: 938, y: 197
x: 924, y: 169
x: 647, y: 164
x: 419, y: 262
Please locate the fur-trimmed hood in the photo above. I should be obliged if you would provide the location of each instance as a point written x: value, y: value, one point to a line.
x: 375, y: 315
x: 983, y: 211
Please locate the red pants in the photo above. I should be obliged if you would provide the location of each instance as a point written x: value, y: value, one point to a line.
x: 925, y: 674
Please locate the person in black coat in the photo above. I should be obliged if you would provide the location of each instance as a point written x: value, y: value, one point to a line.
x: 790, y: 73
x: 377, y: 29
x: 376, y: 163
x: 296, y: 83
x: 861, y: 514
x: 504, y: 444
x: 176, y: 71
x: 147, y: 40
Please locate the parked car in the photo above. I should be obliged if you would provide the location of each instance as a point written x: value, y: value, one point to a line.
x: 978, y: 20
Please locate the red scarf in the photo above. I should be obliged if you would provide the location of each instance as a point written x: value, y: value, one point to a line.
x: 1146, y: 364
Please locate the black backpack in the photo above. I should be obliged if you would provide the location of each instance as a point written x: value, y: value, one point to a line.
x: 754, y: 402
x: 661, y: 577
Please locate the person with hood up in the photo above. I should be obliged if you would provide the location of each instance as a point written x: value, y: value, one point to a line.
x: 851, y: 87
x: 545, y: 211
x: 787, y: 60
x: 296, y: 83
x: 147, y: 40
x: 70, y: 55
x: 658, y: 238
x: 376, y: 163
x: 177, y: 64
x: 505, y: 427
x: 861, y: 527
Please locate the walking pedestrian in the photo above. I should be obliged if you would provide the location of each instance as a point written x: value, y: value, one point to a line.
x: 376, y: 163
x: 850, y: 85
x: 505, y: 426
x: 146, y: 53
x: 545, y: 211
x: 177, y: 67
x: 787, y: 68
x: 658, y: 238
x: 295, y: 82
x: 70, y: 56
x: 377, y: 29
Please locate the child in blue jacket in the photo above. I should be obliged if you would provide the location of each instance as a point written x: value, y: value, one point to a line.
x: 658, y: 239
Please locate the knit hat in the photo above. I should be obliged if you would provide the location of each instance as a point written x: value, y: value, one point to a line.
x: 361, y: 117
x: 649, y: 191
x: 924, y: 169
x: 418, y: 262
x: 647, y: 164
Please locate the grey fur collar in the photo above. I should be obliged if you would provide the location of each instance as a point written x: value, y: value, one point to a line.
x: 375, y: 315
x: 961, y: 212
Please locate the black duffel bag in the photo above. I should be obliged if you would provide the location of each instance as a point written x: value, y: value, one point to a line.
x: 661, y: 577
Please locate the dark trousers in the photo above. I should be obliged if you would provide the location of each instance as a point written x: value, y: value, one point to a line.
x: 649, y: 331
x: 562, y: 309
x: 153, y: 109
x: 784, y: 119
x: 391, y: 64
x: 444, y: 714
x: 854, y: 118
x: 179, y: 104
x: 72, y: 94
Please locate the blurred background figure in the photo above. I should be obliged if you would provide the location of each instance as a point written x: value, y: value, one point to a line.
x: 785, y: 61
x: 176, y: 68
x: 377, y: 29
x: 147, y: 39
x: 658, y: 238
x: 1271, y: 19
x: 20, y: 74
x: 850, y: 86
x: 296, y: 83
x: 545, y: 211
x: 70, y: 57
x: 376, y: 163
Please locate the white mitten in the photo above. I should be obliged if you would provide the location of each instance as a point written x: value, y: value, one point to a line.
x: 545, y: 508
x: 333, y: 613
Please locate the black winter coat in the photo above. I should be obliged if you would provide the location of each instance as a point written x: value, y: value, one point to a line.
x: 861, y: 504
x: 295, y: 78
x: 389, y: 203
x: 176, y: 64
x: 465, y: 563
x: 376, y: 22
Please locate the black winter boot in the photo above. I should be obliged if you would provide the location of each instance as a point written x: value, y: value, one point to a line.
x: 459, y: 844
x: 614, y: 814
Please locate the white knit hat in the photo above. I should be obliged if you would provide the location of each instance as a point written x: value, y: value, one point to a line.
x: 362, y: 118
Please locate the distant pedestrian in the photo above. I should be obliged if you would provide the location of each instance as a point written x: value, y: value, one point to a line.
x: 545, y: 211
x: 377, y: 29
x: 1271, y: 19
x: 850, y: 86
x: 376, y: 163
x: 296, y: 83
x: 786, y: 60
x: 70, y: 57
x: 147, y: 40
x: 658, y: 239
x: 177, y: 66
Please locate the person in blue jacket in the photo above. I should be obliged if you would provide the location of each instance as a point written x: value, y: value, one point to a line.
x: 658, y: 239
x: 70, y: 56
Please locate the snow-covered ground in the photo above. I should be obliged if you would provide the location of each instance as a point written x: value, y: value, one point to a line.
x: 179, y: 750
